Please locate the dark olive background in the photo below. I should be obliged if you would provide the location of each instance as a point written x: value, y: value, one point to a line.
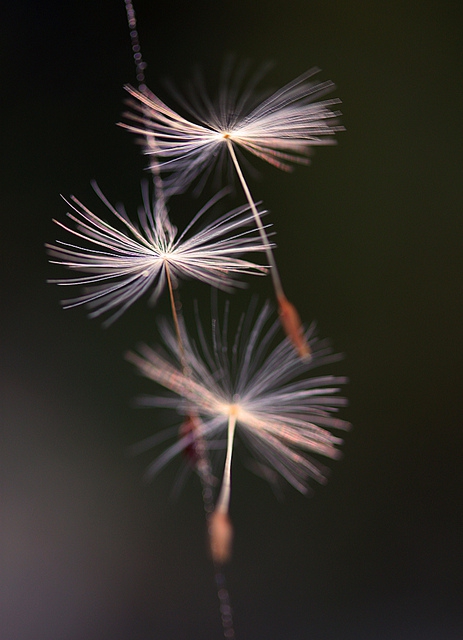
x: 370, y: 245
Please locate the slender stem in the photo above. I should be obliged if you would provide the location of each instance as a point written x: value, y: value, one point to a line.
x: 140, y: 64
x: 175, y: 317
x: 203, y: 464
x: 226, y: 612
x: 224, y: 497
x: 288, y: 313
x: 274, y: 270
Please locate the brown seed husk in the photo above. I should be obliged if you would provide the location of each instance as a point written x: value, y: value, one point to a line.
x: 292, y: 325
x: 220, y: 537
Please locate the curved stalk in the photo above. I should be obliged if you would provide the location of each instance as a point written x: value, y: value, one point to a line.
x: 223, y: 501
x: 289, y: 316
x: 274, y: 270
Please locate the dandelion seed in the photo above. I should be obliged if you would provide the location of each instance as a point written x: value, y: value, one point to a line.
x: 261, y: 393
x: 123, y: 264
x: 281, y: 130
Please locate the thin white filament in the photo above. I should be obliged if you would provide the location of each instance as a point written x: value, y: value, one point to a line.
x: 274, y: 271
x: 224, y: 497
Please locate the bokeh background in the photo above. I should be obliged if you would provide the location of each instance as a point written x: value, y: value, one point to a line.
x: 370, y: 245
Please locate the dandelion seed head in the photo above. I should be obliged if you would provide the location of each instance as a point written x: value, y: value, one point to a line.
x: 122, y: 263
x: 281, y: 412
x: 280, y: 129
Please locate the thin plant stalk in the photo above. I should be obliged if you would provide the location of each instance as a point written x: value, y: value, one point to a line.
x: 274, y: 270
x: 203, y: 464
x: 220, y: 526
x: 223, y: 501
x: 289, y: 316
x: 175, y: 318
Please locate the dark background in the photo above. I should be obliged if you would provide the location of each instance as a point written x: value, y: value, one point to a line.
x: 370, y: 245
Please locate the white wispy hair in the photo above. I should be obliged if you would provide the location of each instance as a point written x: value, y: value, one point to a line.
x: 263, y: 389
x: 280, y: 129
x: 123, y: 264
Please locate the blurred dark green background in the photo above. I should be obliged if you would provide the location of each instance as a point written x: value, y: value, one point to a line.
x: 370, y: 244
